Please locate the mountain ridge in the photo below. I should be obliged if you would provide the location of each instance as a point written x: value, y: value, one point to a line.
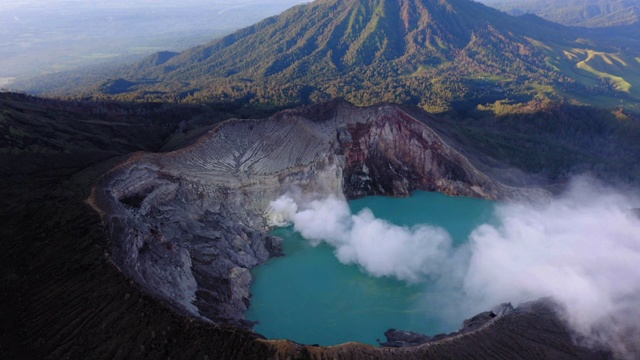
x: 437, y: 55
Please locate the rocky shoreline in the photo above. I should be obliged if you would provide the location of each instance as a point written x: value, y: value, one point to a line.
x: 403, y: 338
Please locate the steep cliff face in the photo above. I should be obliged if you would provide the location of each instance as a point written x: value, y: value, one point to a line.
x: 188, y: 225
x: 394, y: 154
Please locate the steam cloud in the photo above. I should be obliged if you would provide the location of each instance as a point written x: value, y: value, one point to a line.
x: 379, y: 247
x: 582, y: 249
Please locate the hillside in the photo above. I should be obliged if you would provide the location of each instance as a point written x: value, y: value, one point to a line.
x: 437, y: 55
x: 588, y: 13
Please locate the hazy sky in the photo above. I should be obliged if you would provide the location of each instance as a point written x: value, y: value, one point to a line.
x: 10, y: 4
x: 45, y: 36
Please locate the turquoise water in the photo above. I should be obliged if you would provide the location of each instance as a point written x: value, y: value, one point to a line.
x: 308, y: 296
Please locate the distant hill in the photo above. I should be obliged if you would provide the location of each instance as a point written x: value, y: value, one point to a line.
x: 438, y: 55
x: 588, y: 13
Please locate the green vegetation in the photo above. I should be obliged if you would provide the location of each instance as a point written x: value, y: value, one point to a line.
x: 435, y: 55
x: 554, y: 139
x: 619, y: 83
x: 605, y: 69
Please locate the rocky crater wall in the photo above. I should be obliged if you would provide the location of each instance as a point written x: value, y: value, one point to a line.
x: 188, y: 225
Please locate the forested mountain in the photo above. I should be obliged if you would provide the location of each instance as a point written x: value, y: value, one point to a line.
x: 435, y: 54
x: 589, y: 13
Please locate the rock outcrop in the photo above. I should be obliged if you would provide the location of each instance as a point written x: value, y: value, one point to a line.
x: 188, y: 225
x: 403, y: 338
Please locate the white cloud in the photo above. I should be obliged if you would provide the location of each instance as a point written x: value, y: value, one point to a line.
x: 379, y: 247
x: 582, y: 249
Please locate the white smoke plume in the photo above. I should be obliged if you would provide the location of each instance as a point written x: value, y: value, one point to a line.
x: 379, y: 247
x: 582, y: 249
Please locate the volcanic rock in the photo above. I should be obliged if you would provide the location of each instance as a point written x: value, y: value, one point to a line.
x: 403, y: 338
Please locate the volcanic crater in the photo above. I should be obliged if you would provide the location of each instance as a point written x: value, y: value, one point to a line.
x: 188, y: 225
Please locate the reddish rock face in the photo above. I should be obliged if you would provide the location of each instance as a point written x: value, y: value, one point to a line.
x: 390, y: 156
x: 395, y: 154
